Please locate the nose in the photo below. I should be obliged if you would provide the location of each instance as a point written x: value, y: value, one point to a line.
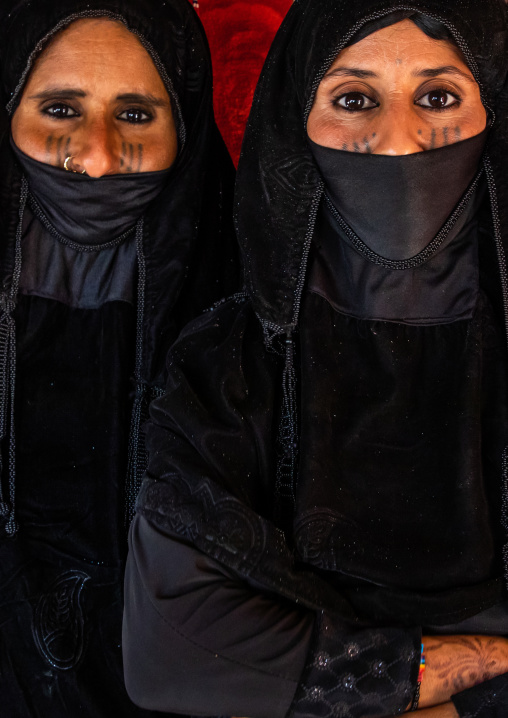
x: 399, y: 132
x: 95, y: 149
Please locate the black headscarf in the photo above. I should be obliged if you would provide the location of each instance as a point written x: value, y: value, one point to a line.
x: 186, y: 252
x: 278, y: 186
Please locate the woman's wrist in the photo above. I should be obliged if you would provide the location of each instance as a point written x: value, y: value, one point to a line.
x: 421, y: 671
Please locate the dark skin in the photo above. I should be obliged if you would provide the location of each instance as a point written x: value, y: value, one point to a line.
x: 401, y: 90
x: 95, y: 96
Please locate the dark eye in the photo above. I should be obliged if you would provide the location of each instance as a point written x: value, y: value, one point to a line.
x: 60, y: 111
x: 354, y: 102
x: 135, y: 116
x: 438, y: 100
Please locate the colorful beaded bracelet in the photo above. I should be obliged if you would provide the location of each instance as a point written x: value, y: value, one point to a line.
x: 416, y: 699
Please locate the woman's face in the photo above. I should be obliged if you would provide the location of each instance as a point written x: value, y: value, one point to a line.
x: 95, y: 95
x: 396, y: 92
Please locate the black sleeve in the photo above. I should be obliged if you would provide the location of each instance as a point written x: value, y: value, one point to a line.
x: 486, y: 700
x: 199, y: 641
x: 196, y: 640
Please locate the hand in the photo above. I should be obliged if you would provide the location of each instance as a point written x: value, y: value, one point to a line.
x: 455, y: 663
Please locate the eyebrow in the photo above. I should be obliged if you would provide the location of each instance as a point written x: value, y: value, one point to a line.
x: 355, y: 71
x: 143, y: 99
x: 57, y: 93
x: 445, y: 70
x: 430, y: 72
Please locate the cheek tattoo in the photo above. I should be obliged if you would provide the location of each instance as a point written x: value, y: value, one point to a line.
x: 364, y: 148
x: 446, y: 137
x: 57, y: 156
x: 59, y: 159
x: 49, y: 143
x: 130, y: 159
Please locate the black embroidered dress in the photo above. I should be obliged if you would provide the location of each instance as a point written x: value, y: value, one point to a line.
x: 327, y: 471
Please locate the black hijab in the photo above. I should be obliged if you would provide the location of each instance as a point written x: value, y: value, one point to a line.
x: 185, y: 249
x: 278, y: 185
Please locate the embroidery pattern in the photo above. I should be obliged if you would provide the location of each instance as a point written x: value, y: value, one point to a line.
x: 366, y: 672
x: 58, y: 624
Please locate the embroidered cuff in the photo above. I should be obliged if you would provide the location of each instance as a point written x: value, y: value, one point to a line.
x: 352, y: 674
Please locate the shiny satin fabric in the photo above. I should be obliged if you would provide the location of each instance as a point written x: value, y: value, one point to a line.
x: 397, y: 204
x: 88, y: 210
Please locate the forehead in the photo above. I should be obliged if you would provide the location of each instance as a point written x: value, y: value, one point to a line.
x: 96, y: 49
x: 402, y: 42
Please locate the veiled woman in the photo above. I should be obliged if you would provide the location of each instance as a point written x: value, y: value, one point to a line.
x: 327, y: 475
x: 114, y: 232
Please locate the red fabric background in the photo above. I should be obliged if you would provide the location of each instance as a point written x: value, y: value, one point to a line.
x: 240, y: 33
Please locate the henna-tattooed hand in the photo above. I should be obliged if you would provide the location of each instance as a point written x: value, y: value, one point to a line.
x: 455, y: 663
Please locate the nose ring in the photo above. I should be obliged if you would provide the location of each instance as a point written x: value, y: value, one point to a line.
x: 69, y: 169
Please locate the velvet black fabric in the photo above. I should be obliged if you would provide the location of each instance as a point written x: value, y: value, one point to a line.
x: 93, y: 325
x: 351, y: 463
